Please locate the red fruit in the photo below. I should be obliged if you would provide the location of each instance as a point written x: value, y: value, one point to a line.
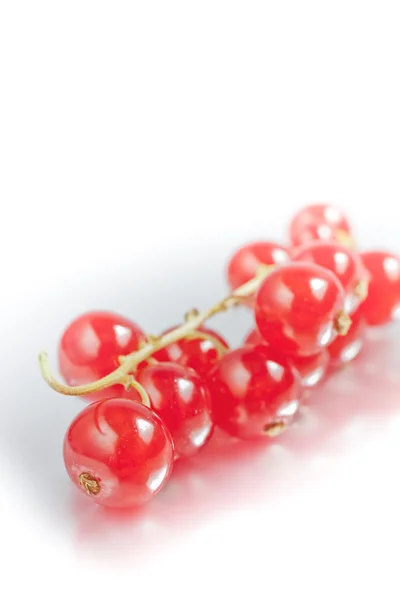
x: 199, y: 354
x: 90, y: 347
x: 346, y: 347
x: 182, y: 400
x: 310, y: 369
x: 344, y: 263
x: 246, y: 261
x: 319, y: 222
x: 253, y: 338
x: 383, y: 302
x: 299, y: 309
x: 254, y: 392
x: 118, y: 452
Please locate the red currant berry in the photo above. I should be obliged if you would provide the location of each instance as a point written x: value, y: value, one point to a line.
x: 90, y: 347
x: 319, y: 222
x: 299, y: 309
x: 254, y: 392
x: 345, y: 348
x: 253, y: 338
x: 118, y: 452
x: 311, y: 369
x: 181, y: 398
x: 383, y: 301
x: 246, y: 261
x: 200, y: 354
x: 344, y: 263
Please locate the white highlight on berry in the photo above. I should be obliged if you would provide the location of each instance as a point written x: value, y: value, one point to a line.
x: 185, y: 388
x: 156, y: 478
x: 275, y: 370
x: 199, y: 436
x: 284, y: 295
x: 145, y: 430
x: 351, y: 303
x: 351, y: 351
x: 240, y: 378
x: 123, y: 334
x: 341, y: 262
x: 318, y: 287
x: 206, y: 345
x: 89, y: 342
x: 174, y: 352
x: 326, y: 335
x: 279, y: 256
x: 332, y: 215
x: 392, y: 267
x: 289, y: 409
x: 313, y: 378
x: 396, y: 313
x: 324, y: 232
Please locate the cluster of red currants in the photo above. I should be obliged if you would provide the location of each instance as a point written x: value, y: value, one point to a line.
x: 158, y: 399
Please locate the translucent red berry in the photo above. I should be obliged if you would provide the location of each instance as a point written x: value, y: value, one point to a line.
x: 254, y: 392
x: 90, y: 347
x: 383, y: 302
x: 319, y: 222
x: 246, y: 261
x: 118, y: 452
x: 299, y: 309
x: 198, y: 353
x: 253, y: 338
x: 310, y: 369
x: 344, y: 263
x: 181, y: 399
x: 345, y: 348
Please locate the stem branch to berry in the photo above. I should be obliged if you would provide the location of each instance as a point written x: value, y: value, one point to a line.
x: 122, y: 374
x: 201, y: 335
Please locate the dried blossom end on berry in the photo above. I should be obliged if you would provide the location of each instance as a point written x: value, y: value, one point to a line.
x: 342, y: 323
x: 90, y: 484
x: 275, y: 429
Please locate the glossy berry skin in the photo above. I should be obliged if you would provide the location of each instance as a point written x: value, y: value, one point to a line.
x: 181, y: 399
x: 199, y: 354
x: 253, y: 391
x: 297, y: 308
x: 246, y: 261
x: 383, y: 302
x: 124, y: 446
x: 346, y: 348
x: 319, y: 222
x: 90, y: 347
x: 253, y: 338
x: 343, y: 262
x: 310, y: 369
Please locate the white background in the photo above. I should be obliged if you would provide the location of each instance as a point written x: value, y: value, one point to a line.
x: 140, y: 143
